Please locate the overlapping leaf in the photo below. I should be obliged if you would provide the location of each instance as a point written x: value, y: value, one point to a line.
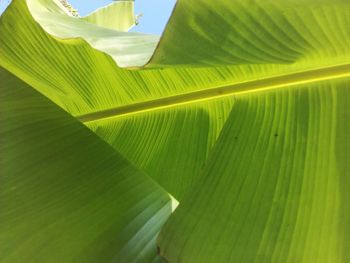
x: 251, y: 198
x: 276, y: 186
x: 65, y: 195
x: 117, y: 16
x: 82, y: 80
x: 55, y: 67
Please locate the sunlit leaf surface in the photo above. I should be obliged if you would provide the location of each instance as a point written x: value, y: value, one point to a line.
x: 238, y: 111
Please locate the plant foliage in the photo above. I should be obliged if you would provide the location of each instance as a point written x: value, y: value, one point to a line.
x: 239, y: 111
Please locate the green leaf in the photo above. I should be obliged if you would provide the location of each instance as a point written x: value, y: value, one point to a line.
x: 276, y: 186
x: 99, y: 91
x: 260, y: 199
x: 128, y: 49
x: 170, y: 145
x: 246, y: 32
x: 55, y: 69
x: 65, y: 195
x: 203, y: 32
x: 117, y: 16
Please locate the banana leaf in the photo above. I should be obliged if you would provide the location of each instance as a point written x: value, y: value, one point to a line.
x: 238, y: 111
x: 66, y: 195
x: 276, y: 185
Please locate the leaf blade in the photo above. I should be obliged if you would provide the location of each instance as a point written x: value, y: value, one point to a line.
x: 65, y: 194
x: 280, y: 196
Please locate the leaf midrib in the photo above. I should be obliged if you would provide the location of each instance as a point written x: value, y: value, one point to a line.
x: 320, y: 74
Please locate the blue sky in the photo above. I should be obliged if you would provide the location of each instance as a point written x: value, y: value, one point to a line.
x: 155, y: 12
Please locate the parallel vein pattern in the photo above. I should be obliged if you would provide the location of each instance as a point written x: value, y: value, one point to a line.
x: 273, y: 190
x: 82, y: 80
x: 65, y: 195
x: 253, y: 32
x: 275, y: 187
x: 335, y: 72
x: 283, y: 38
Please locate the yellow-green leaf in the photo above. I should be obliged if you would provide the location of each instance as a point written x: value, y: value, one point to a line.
x: 65, y: 195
